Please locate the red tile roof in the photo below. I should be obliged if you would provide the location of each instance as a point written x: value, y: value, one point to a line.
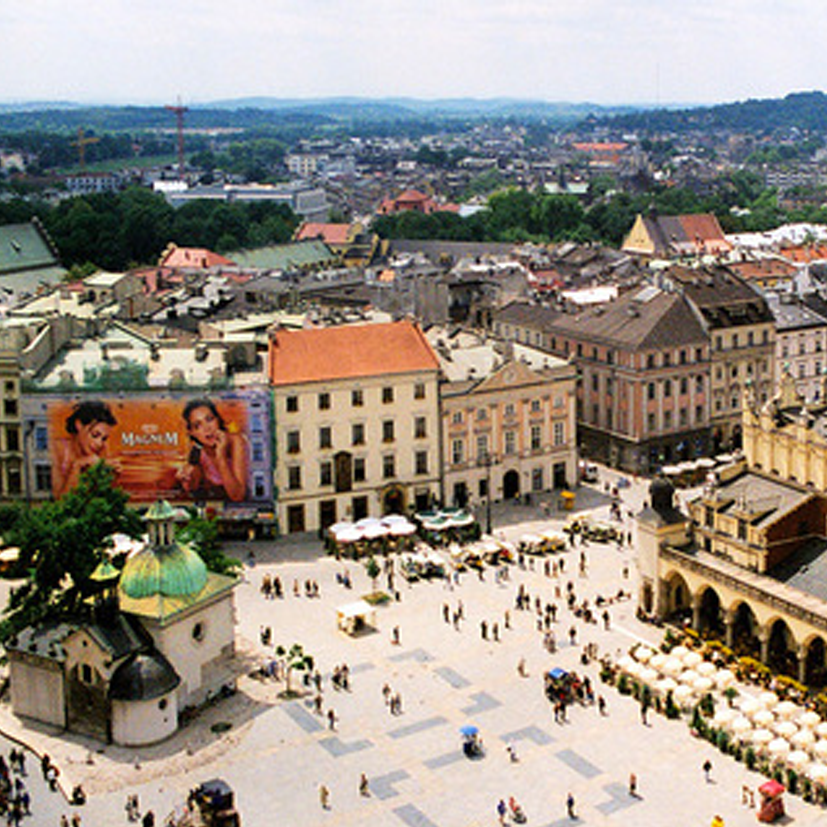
x: 192, y: 257
x: 329, y: 233
x: 350, y: 351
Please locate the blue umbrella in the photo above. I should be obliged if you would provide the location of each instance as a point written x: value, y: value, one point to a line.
x: 469, y: 729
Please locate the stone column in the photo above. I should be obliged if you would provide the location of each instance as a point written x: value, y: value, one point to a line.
x: 696, y: 612
x: 764, y: 639
x: 729, y: 627
x: 802, y: 663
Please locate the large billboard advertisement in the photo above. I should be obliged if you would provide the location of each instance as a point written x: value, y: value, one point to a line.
x: 187, y: 448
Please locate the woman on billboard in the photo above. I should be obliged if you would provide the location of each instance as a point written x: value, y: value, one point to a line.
x: 216, y: 467
x: 88, y: 428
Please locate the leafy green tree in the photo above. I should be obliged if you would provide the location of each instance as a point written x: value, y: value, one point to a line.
x: 202, y: 534
x: 62, y: 543
x: 373, y: 571
x: 295, y: 660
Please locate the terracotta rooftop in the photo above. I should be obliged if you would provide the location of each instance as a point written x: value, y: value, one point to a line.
x: 350, y: 351
x: 329, y: 233
x: 192, y: 257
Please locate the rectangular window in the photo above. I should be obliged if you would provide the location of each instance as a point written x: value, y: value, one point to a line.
x: 325, y: 437
x: 15, y: 479
x: 325, y: 473
x: 387, y: 431
x: 651, y: 423
x: 482, y: 414
x: 482, y: 447
x: 324, y: 401
x: 457, y: 451
x: 419, y: 390
x: 389, y: 466
x: 684, y: 385
x: 359, y: 469
x: 357, y: 398
x: 699, y: 414
x: 294, y: 478
x: 536, y: 437
x: 667, y: 419
x: 510, y: 442
x: 293, y: 442
x: 509, y: 410
x: 259, y: 489
x: 650, y: 391
x: 292, y: 404
x: 359, y: 506
x: 595, y: 382
x: 41, y: 438
x: 12, y: 439
x: 357, y: 433
x: 258, y: 451
x: 420, y: 430
x: 387, y: 396
x: 559, y: 433
x: 456, y: 419
x: 537, y: 479
x: 10, y: 407
x: 535, y: 406
x: 667, y: 388
x: 43, y: 477
x: 256, y: 423
x: 684, y: 417
x: 421, y: 462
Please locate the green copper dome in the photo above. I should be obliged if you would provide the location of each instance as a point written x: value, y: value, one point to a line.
x: 172, y: 571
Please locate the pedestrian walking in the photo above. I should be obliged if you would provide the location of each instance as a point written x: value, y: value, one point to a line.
x: 386, y: 694
x: 501, y: 811
x: 633, y: 785
x: 601, y: 704
x: 570, y: 806
x: 331, y: 719
x: 707, y: 768
x: 395, y: 636
x: 324, y: 797
x: 495, y: 631
x: 364, y: 789
x: 483, y: 630
x: 521, y: 670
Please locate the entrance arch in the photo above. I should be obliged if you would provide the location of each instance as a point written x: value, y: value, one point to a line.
x: 393, y: 500
x: 781, y: 649
x: 678, y: 598
x: 511, y: 485
x: 815, y: 667
x: 710, y: 612
x: 744, y: 637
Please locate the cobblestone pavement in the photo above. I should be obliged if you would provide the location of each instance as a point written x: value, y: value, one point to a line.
x: 277, y: 753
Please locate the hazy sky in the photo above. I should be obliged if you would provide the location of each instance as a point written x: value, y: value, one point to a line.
x: 604, y: 51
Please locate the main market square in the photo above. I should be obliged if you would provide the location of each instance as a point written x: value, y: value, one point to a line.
x: 277, y: 752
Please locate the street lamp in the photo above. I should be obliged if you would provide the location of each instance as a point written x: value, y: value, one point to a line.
x: 485, y: 460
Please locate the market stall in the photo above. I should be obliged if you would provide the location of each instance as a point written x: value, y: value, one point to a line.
x: 356, y: 617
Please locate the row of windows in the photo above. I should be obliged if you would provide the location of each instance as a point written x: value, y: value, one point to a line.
x: 357, y: 434
x: 667, y: 384
x: 324, y: 400
x: 669, y: 422
x: 357, y: 472
x: 736, y: 341
x: 458, y: 451
x: 734, y: 370
x: 509, y: 411
x: 802, y: 348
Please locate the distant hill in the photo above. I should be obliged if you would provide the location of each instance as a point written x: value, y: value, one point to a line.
x: 250, y: 113
x: 805, y: 111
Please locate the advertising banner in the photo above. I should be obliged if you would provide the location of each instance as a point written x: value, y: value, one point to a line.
x: 190, y: 448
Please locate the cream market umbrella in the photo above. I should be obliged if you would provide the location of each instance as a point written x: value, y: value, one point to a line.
x: 741, y: 725
x: 798, y: 758
x: 810, y: 719
x: 644, y: 654
x: 763, y: 718
x: 724, y: 678
x: 751, y: 707
x: 779, y: 747
x: 820, y: 749
x: 787, y: 709
x: 769, y: 700
x: 702, y: 684
x: 706, y: 669
x: 657, y: 660
x: 648, y: 675
x: 821, y: 729
x: 689, y: 677
x: 817, y: 772
x: 761, y: 736
x: 786, y: 729
x: 672, y: 667
x: 666, y: 685
x: 683, y: 695
x: 803, y: 739
x: 725, y: 716
x: 626, y: 662
x: 691, y: 659
x: 679, y: 652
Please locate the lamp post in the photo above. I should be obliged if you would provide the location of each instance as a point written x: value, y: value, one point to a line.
x: 485, y: 461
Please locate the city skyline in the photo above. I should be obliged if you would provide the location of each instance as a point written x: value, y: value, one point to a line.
x: 152, y: 52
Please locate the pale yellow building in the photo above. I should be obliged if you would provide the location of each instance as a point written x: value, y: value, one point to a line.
x: 357, y: 426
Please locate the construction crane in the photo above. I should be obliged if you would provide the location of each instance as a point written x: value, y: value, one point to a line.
x: 179, y: 112
x: 81, y: 143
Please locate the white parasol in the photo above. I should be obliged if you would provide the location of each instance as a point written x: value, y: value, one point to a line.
x: 804, y: 739
x: 706, y: 669
x: 787, y: 709
x: 691, y: 659
x: 786, y: 729
x: 741, y: 725
x: 820, y: 749
x: 679, y: 652
x: 725, y: 716
x: 821, y: 729
x: 817, y: 772
x: 778, y: 747
x: 657, y: 660
x: 683, y: 695
x: 349, y: 535
x: 673, y: 666
x: 724, y: 678
x: 644, y: 654
x: 648, y: 675
x: 702, y: 684
x: 810, y: 719
x: 761, y: 736
x: 689, y: 677
x: 750, y: 707
x: 763, y: 718
x: 798, y: 758
x: 666, y: 685
x: 769, y: 700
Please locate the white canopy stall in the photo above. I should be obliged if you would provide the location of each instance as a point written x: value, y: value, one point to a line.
x: 355, y: 617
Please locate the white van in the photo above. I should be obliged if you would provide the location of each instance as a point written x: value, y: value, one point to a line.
x: 589, y: 472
